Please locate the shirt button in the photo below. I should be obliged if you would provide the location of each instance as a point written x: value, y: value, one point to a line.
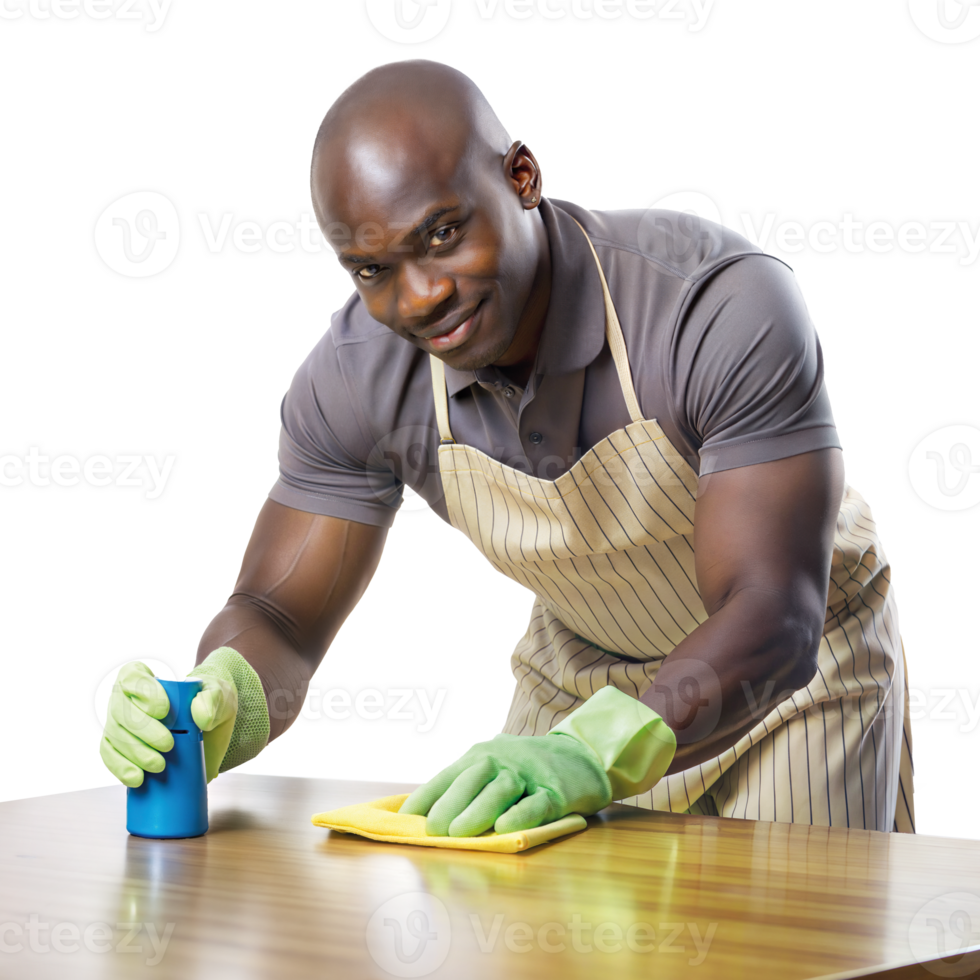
x: 508, y: 392
x: 536, y: 438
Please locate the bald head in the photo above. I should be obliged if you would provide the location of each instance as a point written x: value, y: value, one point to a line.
x: 433, y: 212
x: 403, y: 120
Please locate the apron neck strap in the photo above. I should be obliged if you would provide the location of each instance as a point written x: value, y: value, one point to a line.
x: 441, y: 399
x: 614, y: 337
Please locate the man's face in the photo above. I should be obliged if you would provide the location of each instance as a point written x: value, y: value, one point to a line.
x: 439, y: 249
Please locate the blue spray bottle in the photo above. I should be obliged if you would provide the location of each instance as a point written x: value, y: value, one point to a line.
x: 174, y: 803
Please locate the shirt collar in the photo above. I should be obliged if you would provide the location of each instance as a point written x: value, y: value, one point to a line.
x: 575, y: 325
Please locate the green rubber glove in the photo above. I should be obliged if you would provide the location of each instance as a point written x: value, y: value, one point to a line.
x: 230, y: 710
x: 134, y: 736
x: 510, y: 783
x: 609, y: 748
x: 634, y: 744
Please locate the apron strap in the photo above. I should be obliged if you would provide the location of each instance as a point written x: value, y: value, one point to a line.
x: 614, y: 336
x: 441, y: 399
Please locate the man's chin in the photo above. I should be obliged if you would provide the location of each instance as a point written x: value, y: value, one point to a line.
x: 473, y: 360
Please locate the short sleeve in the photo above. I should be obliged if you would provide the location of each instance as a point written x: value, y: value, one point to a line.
x: 326, y: 463
x: 747, y: 368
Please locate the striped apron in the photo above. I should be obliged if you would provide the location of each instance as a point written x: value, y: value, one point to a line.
x: 608, y: 551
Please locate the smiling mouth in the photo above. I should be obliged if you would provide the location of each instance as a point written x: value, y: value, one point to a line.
x: 442, y: 332
x: 458, y: 336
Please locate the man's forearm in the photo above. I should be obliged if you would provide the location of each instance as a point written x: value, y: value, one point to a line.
x: 723, y: 679
x: 283, y: 670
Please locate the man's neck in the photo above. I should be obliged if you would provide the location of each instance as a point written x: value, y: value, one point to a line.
x: 520, y: 373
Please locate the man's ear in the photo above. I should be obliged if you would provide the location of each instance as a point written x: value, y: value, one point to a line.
x: 524, y: 174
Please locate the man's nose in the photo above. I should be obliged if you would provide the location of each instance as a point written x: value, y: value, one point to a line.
x: 421, y: 290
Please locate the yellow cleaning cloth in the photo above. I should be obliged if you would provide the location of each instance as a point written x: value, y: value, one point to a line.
x: 380, y: 820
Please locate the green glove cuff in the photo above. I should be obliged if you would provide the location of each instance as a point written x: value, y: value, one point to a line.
x: 251, y: 732
x: 634, y: 744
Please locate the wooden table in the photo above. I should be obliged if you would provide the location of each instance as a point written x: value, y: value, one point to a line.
x: 639, y: 894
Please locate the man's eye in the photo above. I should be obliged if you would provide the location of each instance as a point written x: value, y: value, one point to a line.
x: 368, y: 271
x: 442, y: 236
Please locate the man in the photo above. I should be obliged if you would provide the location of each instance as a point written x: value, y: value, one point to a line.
x: 626, y: 413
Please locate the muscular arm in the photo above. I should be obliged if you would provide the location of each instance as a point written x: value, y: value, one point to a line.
x: 763, y: 542
x: 301, y: 576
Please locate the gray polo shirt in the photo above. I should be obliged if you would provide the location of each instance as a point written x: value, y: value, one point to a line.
x: 720, y: 345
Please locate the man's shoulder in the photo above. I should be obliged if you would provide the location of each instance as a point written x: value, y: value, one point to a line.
x: 353, y: 325
x: 675, y: 243
x: 355, y: 338
x: 360, y: 365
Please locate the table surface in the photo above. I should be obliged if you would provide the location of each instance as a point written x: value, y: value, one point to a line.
x: 266, y: 894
